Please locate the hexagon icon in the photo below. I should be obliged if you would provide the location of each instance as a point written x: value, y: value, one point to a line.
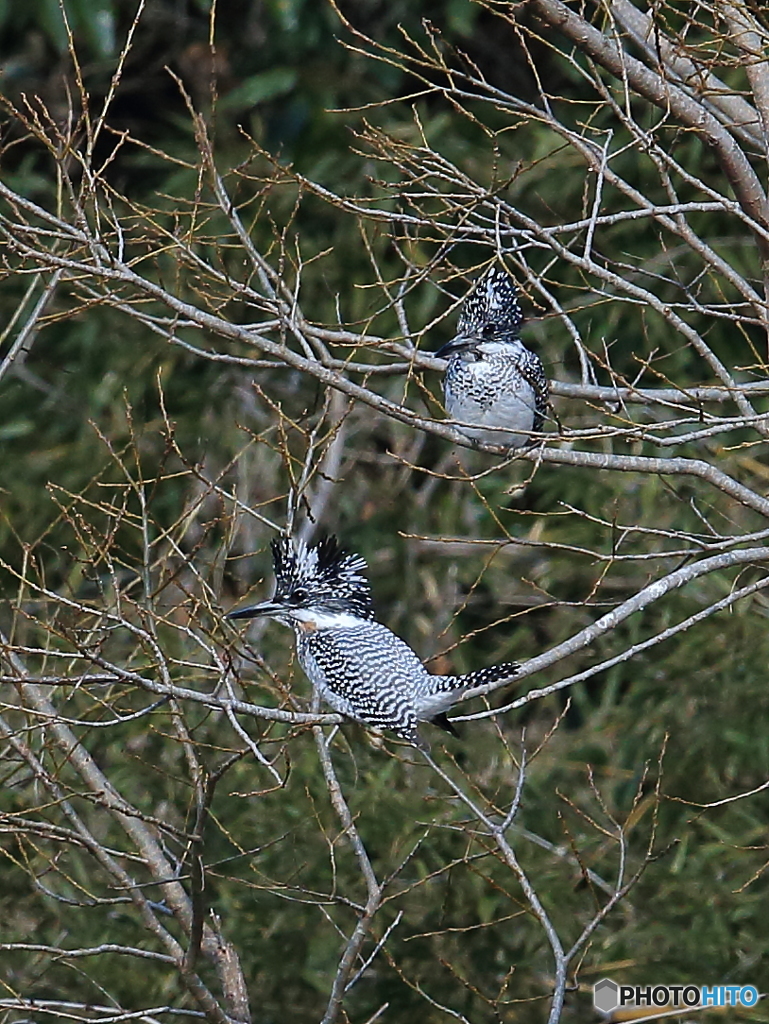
x: 606, y: 995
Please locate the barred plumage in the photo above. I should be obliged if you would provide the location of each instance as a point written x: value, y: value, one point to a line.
x: 493, y: 380
x: 361, y: 668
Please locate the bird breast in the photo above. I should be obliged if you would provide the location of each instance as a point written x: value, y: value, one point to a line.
x: 491, y: 392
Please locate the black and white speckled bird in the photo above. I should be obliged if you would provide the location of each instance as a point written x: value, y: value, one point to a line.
x: 361, y: 668
x: 493, y: 380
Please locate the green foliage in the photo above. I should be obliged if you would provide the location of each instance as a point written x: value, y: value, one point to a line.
x: 122, y: 453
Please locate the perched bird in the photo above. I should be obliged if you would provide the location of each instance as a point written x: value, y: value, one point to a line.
x: 492, y: 379
x: 357, y: 665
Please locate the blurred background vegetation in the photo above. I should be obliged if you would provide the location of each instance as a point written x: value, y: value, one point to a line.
x: 279, y: 75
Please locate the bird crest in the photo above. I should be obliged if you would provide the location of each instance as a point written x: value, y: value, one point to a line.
x: 325, y: 574
x: 491, y: 307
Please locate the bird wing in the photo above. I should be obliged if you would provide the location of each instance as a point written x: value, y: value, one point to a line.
x: 366, y: 673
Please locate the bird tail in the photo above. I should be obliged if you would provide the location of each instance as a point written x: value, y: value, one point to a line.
x: 445, y: 723
x: 479, y: 677
x: 443, y: 689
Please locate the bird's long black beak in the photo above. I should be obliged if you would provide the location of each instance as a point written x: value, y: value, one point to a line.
x: 254, y: 610
x: 457, y: 344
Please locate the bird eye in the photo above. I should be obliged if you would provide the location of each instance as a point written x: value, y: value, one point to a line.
x: 299, y: 595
